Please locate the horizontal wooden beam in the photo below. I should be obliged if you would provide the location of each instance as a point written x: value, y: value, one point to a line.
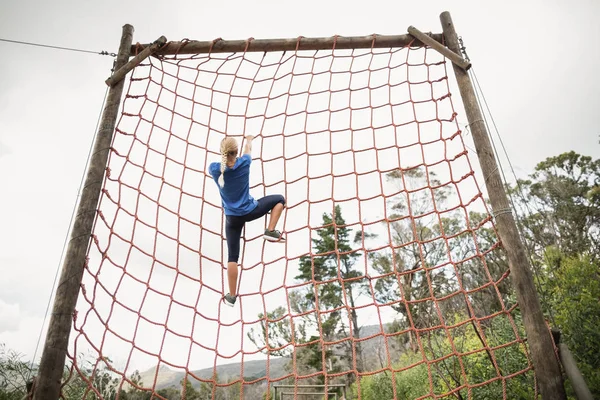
x: 255, y: 45
x: 440, y: 48
x: 135, y: 61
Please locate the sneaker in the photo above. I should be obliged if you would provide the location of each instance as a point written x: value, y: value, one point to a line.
x: 273, y: 236
x: 229, y: 300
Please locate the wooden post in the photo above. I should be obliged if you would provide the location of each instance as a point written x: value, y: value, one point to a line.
x: 582, y: 392
x: 547, y: 369
x: 434, y: 44
x: 57, y: 339
x: 135, y: 61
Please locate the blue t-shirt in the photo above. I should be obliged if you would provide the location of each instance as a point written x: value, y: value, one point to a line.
x: 235, y: 194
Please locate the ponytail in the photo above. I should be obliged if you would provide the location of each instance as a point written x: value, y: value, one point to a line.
x: 223, y: 164
x: 228, y: 144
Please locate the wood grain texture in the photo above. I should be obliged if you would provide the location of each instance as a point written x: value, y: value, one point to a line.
x: 57, y: 338
x: 325, y: 43
x: 539, y: 339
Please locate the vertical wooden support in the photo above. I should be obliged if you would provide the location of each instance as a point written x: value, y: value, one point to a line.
x: 547, y: 368
x: 582, y: 392
x: 57, y: 338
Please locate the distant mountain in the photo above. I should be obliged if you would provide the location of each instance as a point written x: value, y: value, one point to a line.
x: 372, y: 351
x: 252, y: 370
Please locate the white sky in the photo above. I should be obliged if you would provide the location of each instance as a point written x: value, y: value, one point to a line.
x: 537, y: 64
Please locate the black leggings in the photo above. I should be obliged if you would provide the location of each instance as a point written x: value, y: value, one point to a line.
x: 234, y: 223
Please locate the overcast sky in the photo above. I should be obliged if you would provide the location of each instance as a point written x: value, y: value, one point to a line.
x: 537, y: 63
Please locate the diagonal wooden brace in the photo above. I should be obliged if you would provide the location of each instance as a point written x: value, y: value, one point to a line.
x: 446, y: 52
x: 135, y: 61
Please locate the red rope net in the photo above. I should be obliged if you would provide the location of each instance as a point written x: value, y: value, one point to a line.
x: 362, y: 143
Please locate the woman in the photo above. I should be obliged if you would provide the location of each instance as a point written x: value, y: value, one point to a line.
x: 232, y: 176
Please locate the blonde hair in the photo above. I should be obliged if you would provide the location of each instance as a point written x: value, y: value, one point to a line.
x: 228, y: 144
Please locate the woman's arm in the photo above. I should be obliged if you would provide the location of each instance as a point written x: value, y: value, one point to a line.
x: 248, y: 147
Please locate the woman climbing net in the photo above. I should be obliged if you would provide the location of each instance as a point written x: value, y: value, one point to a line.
x: 232, y: 175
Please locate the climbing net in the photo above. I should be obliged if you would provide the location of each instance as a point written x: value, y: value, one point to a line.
x: 364, y: 144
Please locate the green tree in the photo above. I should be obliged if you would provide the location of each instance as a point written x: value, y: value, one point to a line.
x: 190, y: 393
x: 410, y: 383
x: 415, y: 248
x: 335, y: 282
x: 558, y: 211
x: 436, y: 246
x: 134, y: 389
x: 332, y: 281
x: 91, y: 379
x: 560, y: 205
x: 447, y: 267
x: 274, y: 334
x: 232, y: 391
x: 210, y: 391
x: 14, y: 374
x: 170, y: 393
x: 575, y: 293
x: 456, y: 361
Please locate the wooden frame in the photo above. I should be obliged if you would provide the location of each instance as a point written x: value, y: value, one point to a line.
x: 300, y: 44
x: 545, y: 362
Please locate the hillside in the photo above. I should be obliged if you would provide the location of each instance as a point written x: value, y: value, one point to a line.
x: 256, y: 369
x: 252, y: 369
